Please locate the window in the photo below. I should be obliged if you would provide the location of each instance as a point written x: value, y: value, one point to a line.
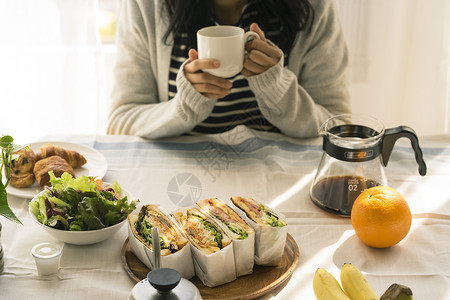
x: 107, y: 20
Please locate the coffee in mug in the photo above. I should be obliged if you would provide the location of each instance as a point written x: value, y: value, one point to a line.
x: 225, y: 44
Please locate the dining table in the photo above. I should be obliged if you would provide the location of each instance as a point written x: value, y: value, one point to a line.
x: 272, y: 168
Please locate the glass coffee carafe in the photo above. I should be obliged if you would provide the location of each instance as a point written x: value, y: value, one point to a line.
x: 356, y: 148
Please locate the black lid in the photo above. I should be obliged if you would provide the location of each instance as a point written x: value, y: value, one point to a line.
x: 164, y: 279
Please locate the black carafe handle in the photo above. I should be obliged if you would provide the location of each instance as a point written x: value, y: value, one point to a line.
x: 391, y: 135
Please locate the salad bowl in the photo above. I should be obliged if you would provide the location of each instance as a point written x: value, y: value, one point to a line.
x: 68, y: 224
x: 80, y: 237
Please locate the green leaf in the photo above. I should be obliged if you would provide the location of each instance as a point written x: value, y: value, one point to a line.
x: 54, y: 221
x: 81, y: 183
x: 6, y: 141
x: 76, y: 225
x: 8, y: 148
x: 34, y: 207
x: 4, y: 207
x: 116, y: 187
x: 239, y: 231
x: 59, y: 203
x: 88, y: 216
x: 97, y: 207
x: 42, y: 209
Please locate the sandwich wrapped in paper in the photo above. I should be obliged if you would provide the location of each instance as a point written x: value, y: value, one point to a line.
x: 270, y: 230
x: 211, y: 247
x: 242, y: 234
x: 175, y: 250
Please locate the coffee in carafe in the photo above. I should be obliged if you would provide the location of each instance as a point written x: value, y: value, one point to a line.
x: 337, y: 194
x: 355, y: 150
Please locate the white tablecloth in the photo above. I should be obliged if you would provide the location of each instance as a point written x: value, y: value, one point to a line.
x: 269, y: 167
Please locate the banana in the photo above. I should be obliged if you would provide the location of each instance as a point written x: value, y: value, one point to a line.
x: 326, y: 287
x: 355, y: 284
x: 397, y: 292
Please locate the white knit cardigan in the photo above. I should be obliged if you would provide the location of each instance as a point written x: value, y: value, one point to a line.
x: 297, y: 98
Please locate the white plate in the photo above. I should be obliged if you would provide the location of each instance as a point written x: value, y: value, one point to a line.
x: 96, y: 165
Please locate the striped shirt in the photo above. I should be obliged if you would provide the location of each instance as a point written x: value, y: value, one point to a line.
x: 240, y: 106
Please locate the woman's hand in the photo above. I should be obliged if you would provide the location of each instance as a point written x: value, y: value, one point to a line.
x: 261, y: 55
x: 206, y: 84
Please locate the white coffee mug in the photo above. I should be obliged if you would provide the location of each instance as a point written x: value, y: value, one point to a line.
x: 225, y: 44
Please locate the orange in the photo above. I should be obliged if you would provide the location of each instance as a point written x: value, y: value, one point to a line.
x: 381, y: 217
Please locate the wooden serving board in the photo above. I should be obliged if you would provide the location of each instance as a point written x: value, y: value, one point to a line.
x: 260, y: 282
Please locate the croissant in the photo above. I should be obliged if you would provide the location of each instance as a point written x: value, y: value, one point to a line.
x: 74, y: 158
x: 52, y: 163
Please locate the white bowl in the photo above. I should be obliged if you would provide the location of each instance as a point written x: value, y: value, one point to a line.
x: 81, y: 237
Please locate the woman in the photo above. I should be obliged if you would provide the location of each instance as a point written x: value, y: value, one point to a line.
x: 294, y: 77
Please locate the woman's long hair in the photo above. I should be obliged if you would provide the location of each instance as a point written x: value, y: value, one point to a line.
x: 188, y: 16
